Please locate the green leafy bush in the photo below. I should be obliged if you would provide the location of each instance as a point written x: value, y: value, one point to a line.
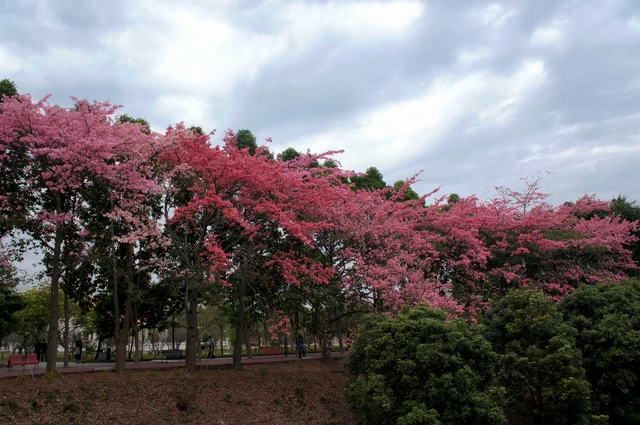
x: 607, y: 319
x: 420, y: 368
x: 541, y: 366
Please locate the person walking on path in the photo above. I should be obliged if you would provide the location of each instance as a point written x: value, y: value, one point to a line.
x: 78, y: 351
x: 212, y: 347
x: 300, y: 346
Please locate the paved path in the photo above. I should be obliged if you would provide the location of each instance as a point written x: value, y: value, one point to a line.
x: 156, y: 364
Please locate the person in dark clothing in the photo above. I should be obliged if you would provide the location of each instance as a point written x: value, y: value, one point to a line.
x: 38, y: 348
x: 212, y: 347
x: 78, y: 351
x: 300, y: 346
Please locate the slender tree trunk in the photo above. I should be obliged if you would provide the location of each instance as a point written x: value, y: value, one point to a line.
x: 116, y: 297
x: 237, y: 347
x: 98, y: 349
x: 52, y: 345
x: 328, y: 336
x: 339, y: 330
x: 297, y: 330
x: 247, y: 340
x: 66, y: 327
x: 315, y: 327
x: 136, y: 354
x: 130, y: 343
x: 198, y: 343
x: 173, y: 330
x: 192, y: 329
x: 121, y: 347
x: 221, y: 335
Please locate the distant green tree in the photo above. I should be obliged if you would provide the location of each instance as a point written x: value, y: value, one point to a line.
x: 289, y: 154
x: 629, y: 211
x: 541, y: 366
x: 197, y: 129
x: 7, y: 88
x: 607, y: 318
x: 144, y: 124
x: 32, y: 321
x: 421, y: 368
x: 409, y: 194
x: 371, y: 180
x: 246, y: 139
x: 453, y: 198
x: 10, y: 300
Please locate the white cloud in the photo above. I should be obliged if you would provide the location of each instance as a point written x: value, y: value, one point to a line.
x: 363, y: 20
x: 9, y: 63
x: 206, y: 53
x: 183, y: 49
x: 467, y: 57
x: 190, y: 109
x: 400, y: 131
x: 495, y: 15
x: 548, y: 35
x: 634, y: 24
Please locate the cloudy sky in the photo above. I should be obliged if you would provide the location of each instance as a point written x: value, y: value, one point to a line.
x: 475, y: 93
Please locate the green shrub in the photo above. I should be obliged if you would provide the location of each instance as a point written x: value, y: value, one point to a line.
x: 541, y: 366
x: 607, y: 320
x: 420, y: 368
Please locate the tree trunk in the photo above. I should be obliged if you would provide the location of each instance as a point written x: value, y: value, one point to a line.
x: 136, y: 354
x: 191, y: 298
x: 98, y: 349
x: 339, y: 330
x: 328, y: 337
x: 173, y: 330
x: 198, y: 341
x: 296, y: 331
x: 221, y: 334
x: 123, y: 337
x: 66, y: 327
x: 130, y: 342
x: 237, y: 348
x: 52, y: 345
x: 247, y: 340
x: 116, y: 297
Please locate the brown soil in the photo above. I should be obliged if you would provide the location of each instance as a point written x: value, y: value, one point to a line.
x: 306, y: 392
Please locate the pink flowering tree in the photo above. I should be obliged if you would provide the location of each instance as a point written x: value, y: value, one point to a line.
x: 62, y: 154
x: 225, y: 208
x: 518, y: 239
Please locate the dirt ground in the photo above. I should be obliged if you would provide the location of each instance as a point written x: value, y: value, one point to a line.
x: 306, y: 392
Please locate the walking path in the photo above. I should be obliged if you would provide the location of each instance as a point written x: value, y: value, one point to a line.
x: 156, y: 364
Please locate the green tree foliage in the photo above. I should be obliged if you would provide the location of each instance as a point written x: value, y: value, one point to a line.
x: 607, y: 318
x: 144, y: 124
x: 629, y: 211
x: 453, y: 198
x: 289, y: 154
x: 246, y: 139
x: 420, y: 368
x: 7, y: 88
x: 409, y: 194
x: 371, y: 180
x: 10, y: 301
x: 197, y: 129
x: 541, y: 368
x: 32, y: 321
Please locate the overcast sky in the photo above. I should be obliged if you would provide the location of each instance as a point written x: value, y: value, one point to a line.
x: 474, y: 93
